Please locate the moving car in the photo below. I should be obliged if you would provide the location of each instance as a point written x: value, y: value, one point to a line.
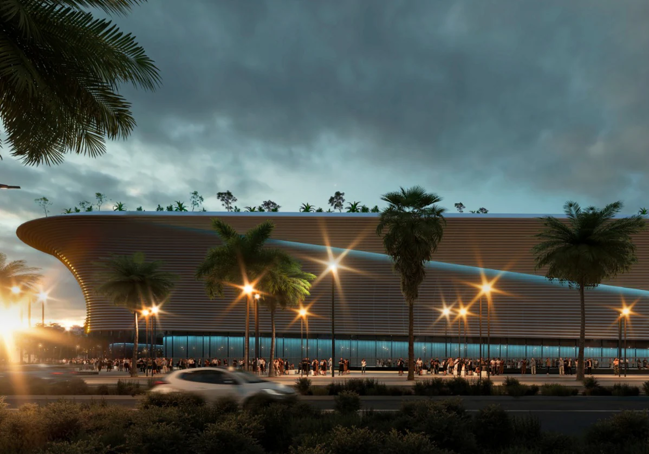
x: 214, y: 382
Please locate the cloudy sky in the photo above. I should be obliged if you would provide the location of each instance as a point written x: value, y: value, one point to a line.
x: 516, y: 106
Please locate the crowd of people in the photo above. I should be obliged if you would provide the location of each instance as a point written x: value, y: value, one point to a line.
x: 322, y: 367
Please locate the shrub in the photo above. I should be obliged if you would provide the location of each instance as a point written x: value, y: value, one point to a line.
x: 590, y: 383
x: 434, y: 387
x: 625, y: 390
x: 558, y: 390
x: 645, y: 387
x: 176, y: 400
x: 492, y: 426
x: 156, y: 438
x: 621, y: 429
x: 445, y: 422
x: 235, y: 433
x: 226, y: 405
x: 21, y: 431
x: 73, y: 386
x: 102, y: 390
x: 458, y: 386
x: 302, y: 385
x: 92, y: 445
x: 526, y: 430
x: 129, y: 388
x: 61, y: 421
x: 409, y: 443
x: 354, y: 440
x: 514, y: 388
x: 347, y: 402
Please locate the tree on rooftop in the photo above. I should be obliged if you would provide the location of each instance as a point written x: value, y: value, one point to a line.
x: 227, y: 199
x: 337, y: 201
x: 60, y: 72
x: 307, y: 208
x: 101, y: 199
x: 590, y: 247
x: 271, y: 206
x: 131, y: 282
x: 119, y: 206
x: 195, y: 200
x: 44, y: 203
x: 412, y: 226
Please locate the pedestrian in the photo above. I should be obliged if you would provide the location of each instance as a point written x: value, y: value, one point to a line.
x: 363, y: 366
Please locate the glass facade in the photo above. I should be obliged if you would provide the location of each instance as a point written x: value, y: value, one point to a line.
x: 376, y: 352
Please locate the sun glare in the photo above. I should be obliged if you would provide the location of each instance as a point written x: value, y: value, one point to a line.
x: 9, y: 324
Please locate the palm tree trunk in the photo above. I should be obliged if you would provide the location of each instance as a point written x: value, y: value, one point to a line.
x: 411, y: 340
x: 135, y: 339
x: 271, y: 369
x: 582, y: 335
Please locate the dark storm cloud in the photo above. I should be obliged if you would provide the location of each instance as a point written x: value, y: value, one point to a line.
x: 516, y: 101
x: 544, y: 94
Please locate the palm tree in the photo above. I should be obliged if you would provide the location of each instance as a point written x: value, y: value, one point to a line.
x: 307, y: 208
x: 16, y: 274
x: 238, y: 262
x: 590, y: 247
x: 353, y: 207
x: 130, y: 281
x: 283, y: 285
x: 415, y: 226
x: 119, y: 206
x: 61, y: 69
x: 180, y: 206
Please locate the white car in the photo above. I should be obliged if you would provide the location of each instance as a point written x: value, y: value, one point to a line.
x: 213, y: 383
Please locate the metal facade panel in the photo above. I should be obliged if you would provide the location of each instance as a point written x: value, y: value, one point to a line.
x: 368, y: 301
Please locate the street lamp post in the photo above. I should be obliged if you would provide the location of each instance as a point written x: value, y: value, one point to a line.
x: 154, y: 334
x: 246, y: 348
x: 623, y: 319
x: 463, y: 313
x: 332, y: 268
x: 145, y: 313
x: 7, y: 186
x: 257, y: 342
x: 304, y: 321
x: 446, y: 312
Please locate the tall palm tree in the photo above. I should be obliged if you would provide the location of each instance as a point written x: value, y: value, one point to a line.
x: 414, y: 227
x: 283, y: 285
x: 16, y: 274
x: 59, y: 76
x: 131, y: 282
x: 239, y: 261
x: 307, y: 208
x: 591, y: 247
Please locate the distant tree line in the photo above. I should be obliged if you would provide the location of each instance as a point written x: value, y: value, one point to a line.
x: 336, y: 202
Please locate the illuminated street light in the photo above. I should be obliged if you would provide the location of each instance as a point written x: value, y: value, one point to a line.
x: 15, y: 290
x: 248, y: 289
x: 624, y: 315
x: 145, y: 312
x: 154, y: 309
x: 333, y: 267
x: 302, y: 312
x: 303, y: 320
x: 446, y: 312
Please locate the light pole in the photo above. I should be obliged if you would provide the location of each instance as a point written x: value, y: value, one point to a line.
x: 16, y: 291
x: 43, y: 297
x: 332, y: 269
x: 6, y: 186
x: 623, y: 316
x: 463, y: 313
x: 257, y: 296
x: 154, y: 322
x: 446, y: 312
x: 248, y: 290
x: 304, y: 321
x: 145, y: 313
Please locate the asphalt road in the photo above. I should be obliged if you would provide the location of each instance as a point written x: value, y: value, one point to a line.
x: 569, y: 415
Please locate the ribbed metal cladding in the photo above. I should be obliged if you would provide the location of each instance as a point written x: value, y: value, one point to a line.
x: 368, y: 297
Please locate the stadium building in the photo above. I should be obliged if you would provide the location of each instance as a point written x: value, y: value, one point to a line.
x: 530, y: 316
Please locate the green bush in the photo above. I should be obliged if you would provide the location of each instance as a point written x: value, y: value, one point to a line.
x: 409, y: 443
x: 526, y: 430
x: 354, y: 440
x: 645, y: 387
x: 61, y: 421
x: 558, y: 390
x: 514, y: 388
x: 91, y: 445
x: 492, y: 426
x: 102, y: 390
x: 226, y: 405
x: 366, y: 387
x: 446, y: 422
x: 590, y: 383
x: 458, y: 386
x: 622, y: 429
x: 176, y: 400
x: 433, y: 387
x: 71, y: 387
x: 625, y: 390
x: 155, y: 438
x: 22, y: 431
x: 129, y: 388
x: 235, y: 433
x: 347, y: 402
x: 303, y: 385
